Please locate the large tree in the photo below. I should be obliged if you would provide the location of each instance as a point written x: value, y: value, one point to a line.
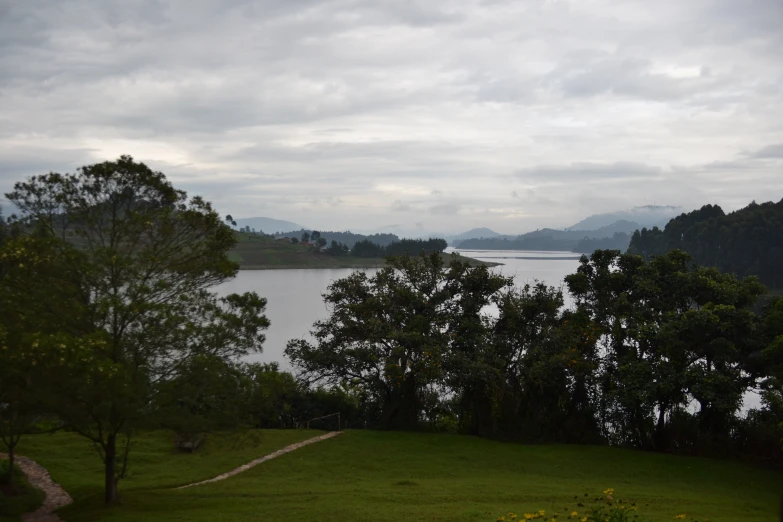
x: 140, y: 257
x: 391, y: 333
x: 668, y: 331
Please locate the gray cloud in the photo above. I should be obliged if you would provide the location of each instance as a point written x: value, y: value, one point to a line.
x: 399, y: 206
x: 338, y: 107
x: 770, y: 151
x: 589, y: 172
x: 446, y: 209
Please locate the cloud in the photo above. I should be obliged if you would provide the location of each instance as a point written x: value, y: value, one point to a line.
x: 349, y: 110
x: 399, y: 206
x: 446, y: 209
x: 589, y: 172
x: 768, y: 152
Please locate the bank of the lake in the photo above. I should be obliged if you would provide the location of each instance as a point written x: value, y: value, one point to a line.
x: 258, y: 252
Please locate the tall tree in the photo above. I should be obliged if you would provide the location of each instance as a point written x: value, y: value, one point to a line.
x: 391, y: 332
x: 141, y: 257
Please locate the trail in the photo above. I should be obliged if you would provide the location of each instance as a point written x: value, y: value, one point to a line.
x: 38, y: 477
x: 258, y: 461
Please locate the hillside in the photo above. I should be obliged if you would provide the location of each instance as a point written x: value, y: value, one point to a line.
x: 470, y: 234
x: 746, y: 242
x: 268, y: 225
x: 617, y: 234
x: 257, y: 252
x: 646, y: 216
x: 395, y: 476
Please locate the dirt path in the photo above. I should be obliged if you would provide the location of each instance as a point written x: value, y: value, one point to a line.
x: 56, y: 496
x: 271, y: 456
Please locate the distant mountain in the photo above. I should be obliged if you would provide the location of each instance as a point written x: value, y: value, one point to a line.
x: 617, y: 233
x: 470, y: 234
x: 648, y: 216
x: 268, y: 225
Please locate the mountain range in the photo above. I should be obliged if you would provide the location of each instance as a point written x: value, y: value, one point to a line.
x: 268, y: 225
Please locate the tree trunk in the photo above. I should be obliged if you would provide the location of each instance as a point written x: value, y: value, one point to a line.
x: 110, y: 492
x: 11, y: 478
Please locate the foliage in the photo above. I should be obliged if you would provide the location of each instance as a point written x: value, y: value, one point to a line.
x: 745, y: 242
x: 346, y: 238
x: 134, y: 259
x: 588, y: 245
x: 667, y: 331
x: 604, y: 508
x: 388, y: 334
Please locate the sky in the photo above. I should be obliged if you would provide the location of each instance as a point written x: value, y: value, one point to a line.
x: 404, y: 114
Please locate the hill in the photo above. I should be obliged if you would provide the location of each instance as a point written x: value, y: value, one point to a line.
x: 260, y: 252
x: 394, y: 476
x: 646, y: 216
x: 347, y: 237
x: 616, y: 234
x: 746, y: 242
x: 470, y: 234
x: 268, y: 225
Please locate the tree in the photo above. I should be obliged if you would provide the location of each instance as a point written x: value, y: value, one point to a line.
x: 294, y: 241
x: 305, y: 237
x: 138, y: 257
x: 320, y: 242
x: 389, y: 334
x: 230, y: 220
x: 667, y: 330
x: 315, y: 235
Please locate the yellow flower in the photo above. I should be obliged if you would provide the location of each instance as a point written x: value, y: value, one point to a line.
x: 584, y: 519
x: 609, y: 491
x: 574, y: 514
x: 680, y: 516
x: 541, y: 512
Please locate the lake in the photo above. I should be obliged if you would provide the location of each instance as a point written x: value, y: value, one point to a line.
x: 295, y: 303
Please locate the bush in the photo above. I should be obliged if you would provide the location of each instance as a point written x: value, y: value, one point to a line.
x: 605, y: 508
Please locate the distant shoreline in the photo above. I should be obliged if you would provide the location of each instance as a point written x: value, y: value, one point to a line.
x: 358, y: 263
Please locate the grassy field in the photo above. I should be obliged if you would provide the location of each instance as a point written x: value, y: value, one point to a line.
x: 262, y: 252
x: 383, y: 476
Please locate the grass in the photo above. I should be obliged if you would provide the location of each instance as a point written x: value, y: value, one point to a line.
x: 24, y: 499
x: 255, y: 252
x: 382, y: 476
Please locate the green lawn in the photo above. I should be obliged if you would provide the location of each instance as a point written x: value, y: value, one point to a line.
x: 383, y: 476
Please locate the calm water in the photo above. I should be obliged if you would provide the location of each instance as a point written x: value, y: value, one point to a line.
x: 294, y: 296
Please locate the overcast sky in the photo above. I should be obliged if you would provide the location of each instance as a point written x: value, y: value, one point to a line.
x: 354, y: 114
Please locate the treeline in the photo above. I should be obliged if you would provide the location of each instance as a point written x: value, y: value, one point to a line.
x: 654, y: 354
x: 587, y: 245
x: 367, y: 248
x: 746, y: 242
x: 348, y: 239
